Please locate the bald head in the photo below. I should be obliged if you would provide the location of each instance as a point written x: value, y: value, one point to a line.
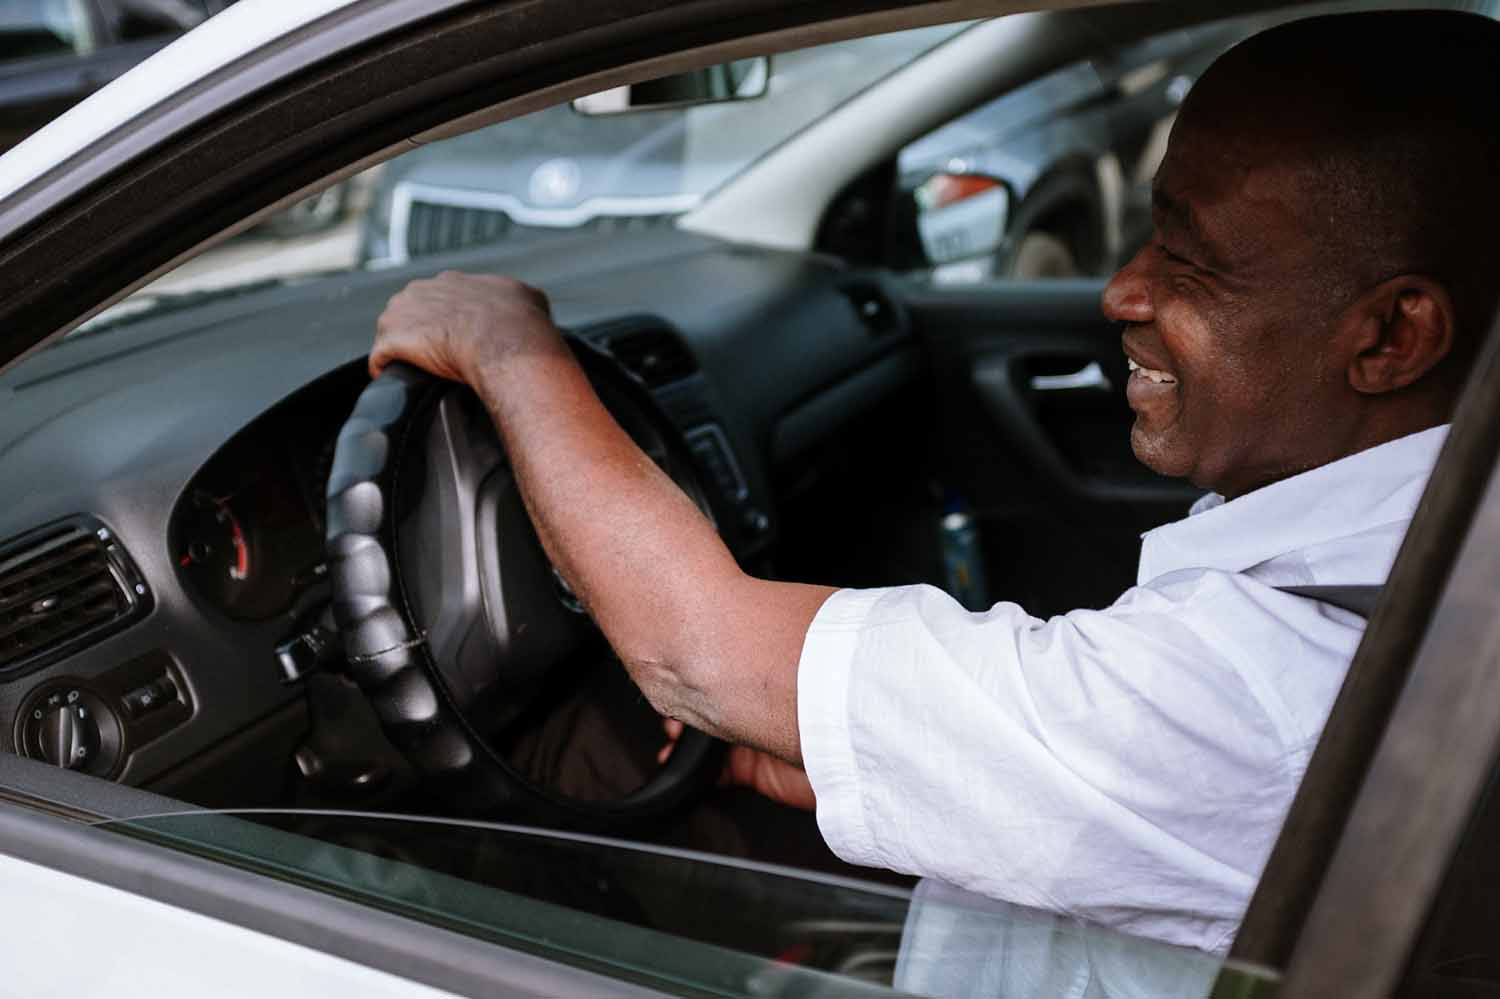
x: 1390, y: 121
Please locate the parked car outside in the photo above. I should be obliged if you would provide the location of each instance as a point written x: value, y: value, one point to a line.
x: 1076, y: 148
x: 201, y: 792
x: 54, y: 53
x: 560, y: 169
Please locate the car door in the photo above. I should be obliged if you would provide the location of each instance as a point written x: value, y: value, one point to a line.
x: 1036, y: 438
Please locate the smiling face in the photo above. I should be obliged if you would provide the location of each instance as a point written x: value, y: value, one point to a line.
x: 1229, y: 312
x: 1318, y: 279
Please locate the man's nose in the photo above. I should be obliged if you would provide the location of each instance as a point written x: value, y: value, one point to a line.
x: 1127, y: 297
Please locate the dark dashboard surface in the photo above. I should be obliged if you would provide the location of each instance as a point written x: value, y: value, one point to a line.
x: 200, y: 438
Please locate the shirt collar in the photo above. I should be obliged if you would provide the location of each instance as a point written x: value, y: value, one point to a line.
x: 1374, y: 487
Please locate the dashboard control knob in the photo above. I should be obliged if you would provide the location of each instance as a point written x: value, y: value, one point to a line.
x: 68, y: 736
x: 70, y: 726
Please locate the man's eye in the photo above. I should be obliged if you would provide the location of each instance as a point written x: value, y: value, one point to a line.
x: 1176, y: 258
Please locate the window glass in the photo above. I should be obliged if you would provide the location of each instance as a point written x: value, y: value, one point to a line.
x: 556, y: 172
x: 678, y: 920
x: 32, y: 28
x: 559, y: 170
x: 1052, y: 180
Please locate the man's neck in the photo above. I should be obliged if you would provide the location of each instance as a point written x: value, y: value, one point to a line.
x: 1371, y: 433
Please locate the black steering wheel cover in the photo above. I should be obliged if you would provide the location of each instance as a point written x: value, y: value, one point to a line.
x: 391, y: 662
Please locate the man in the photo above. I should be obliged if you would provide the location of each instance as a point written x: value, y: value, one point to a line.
x: 1298, y: 329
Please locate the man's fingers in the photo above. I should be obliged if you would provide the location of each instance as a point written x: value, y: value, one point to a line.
x: 674, y: 729
x: 448, y: 324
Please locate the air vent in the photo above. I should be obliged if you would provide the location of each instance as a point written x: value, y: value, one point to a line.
x: 657, y: 356
x: 63, y: 587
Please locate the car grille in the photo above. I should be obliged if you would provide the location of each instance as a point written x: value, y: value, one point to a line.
x: 438, y: 228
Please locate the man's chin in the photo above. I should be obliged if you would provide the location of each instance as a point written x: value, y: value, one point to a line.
x: 1157, y: 451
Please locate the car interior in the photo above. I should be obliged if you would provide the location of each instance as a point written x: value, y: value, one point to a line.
x: 818, y: 404
x: 196, y: 490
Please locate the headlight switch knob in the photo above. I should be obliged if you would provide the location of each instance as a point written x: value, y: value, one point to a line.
x: 71, y: 726
x: 68, y: 736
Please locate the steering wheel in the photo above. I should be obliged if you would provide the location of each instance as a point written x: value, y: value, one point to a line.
x: 453, y: 620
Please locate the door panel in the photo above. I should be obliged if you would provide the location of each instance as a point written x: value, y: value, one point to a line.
x: 1035, y: 436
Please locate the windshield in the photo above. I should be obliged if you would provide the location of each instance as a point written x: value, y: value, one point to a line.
x: 680, y: 920
x: 548, y: 172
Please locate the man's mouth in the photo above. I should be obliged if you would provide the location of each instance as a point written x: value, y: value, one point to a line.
x: 1149, y: 374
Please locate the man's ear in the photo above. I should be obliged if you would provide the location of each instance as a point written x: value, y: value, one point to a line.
x: 1402, y: 328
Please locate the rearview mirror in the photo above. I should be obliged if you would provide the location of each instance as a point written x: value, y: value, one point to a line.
x: 961, y: 216
x: 741, y: 80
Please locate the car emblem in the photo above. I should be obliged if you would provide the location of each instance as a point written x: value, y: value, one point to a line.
x: 556, y: 182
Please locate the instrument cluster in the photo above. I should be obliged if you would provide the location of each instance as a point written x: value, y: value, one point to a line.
x: 247, y: 533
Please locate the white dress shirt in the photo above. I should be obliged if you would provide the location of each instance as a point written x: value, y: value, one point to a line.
x: 1128, y: 766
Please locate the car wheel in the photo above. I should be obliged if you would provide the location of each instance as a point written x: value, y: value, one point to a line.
x: 1042, y: 256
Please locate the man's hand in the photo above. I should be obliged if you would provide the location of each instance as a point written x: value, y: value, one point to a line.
x: 456, y: 325
x: 778, y: 780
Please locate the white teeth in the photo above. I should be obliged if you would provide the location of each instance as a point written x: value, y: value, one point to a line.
x: 1150, y: 374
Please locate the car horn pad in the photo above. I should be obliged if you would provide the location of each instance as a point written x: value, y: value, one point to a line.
x: 487, y: 570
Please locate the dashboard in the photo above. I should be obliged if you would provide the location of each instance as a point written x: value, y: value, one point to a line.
x: 199, y: 441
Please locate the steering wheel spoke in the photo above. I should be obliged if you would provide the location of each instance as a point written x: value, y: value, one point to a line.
x: 435, y: 561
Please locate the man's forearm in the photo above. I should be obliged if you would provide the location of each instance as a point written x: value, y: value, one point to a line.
x: 705, y: 642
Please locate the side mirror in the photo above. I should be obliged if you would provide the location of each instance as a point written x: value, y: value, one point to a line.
x: 961, y: 217
x: 741, y: 80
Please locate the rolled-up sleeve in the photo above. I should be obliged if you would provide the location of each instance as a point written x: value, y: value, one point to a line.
x: 1115, y: 765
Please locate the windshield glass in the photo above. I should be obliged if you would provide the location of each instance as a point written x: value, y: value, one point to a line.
x: 676, y: 919
x: 552, y: 171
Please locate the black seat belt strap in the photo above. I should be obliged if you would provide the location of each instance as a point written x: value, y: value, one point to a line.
x: 1355, y: 599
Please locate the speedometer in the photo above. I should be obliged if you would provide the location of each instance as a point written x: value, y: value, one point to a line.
x: 214, y: 549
